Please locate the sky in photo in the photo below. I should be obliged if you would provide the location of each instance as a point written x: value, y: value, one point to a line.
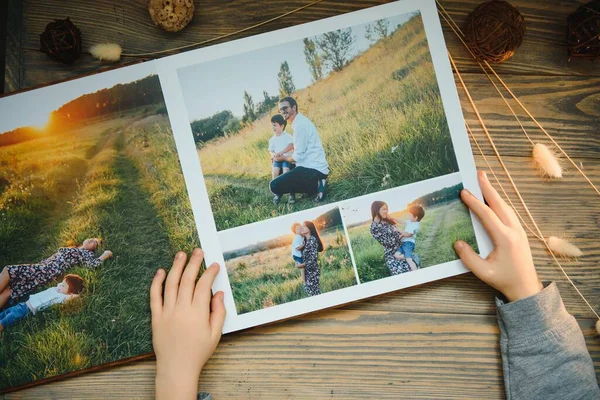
x: 219, y: 85
x: 236, y: 238
x: 34, y: 107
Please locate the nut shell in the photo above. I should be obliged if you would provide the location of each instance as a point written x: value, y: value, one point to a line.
x: 171, y: 15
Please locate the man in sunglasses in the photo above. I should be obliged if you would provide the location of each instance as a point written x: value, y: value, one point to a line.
x: 310, y: 174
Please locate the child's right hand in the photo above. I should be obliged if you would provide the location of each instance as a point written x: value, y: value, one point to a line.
x: 107, y: 254
x: 186, y: 324
x: 509, y: 267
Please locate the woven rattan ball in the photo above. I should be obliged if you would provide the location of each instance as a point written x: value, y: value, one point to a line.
x: 583, y: 32
x: 61, y: 41
x: 494, y: 30
x: 171, y: 15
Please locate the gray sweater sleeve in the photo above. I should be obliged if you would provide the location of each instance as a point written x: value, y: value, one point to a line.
x: 543, y: 350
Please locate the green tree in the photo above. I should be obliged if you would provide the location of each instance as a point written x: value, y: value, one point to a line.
x: 377, y: 31
x: 335, y: 47
x: 249, y: 113
x: 286, y: 82
x: 267, y: 104
x: 214, y: 126
x: 313, y: 59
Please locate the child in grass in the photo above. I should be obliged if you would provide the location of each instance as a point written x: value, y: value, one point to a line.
x: 543, y: 349
x: 409, y: 235
x: 280, y: 144
x: 297, y: 246
x: 66, y: 290
x: 17, y: 281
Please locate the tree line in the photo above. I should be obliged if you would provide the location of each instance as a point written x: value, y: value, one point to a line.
x: 326, y: 53
x: 444, y: 195
x: 118, y: 98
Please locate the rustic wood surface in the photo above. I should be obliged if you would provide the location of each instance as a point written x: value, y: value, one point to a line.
x: 438, y: 340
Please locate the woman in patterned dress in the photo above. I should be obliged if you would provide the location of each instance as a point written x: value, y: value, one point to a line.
x: 310, y: 255
x: 383, y: 229
x: 17, y: 281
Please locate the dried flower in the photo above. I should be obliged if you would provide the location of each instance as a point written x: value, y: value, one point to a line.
x: 106, y: 51
x: 547, y: 161
x: 563, y: 247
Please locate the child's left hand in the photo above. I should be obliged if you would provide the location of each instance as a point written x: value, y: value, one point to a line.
x: 186, y: 325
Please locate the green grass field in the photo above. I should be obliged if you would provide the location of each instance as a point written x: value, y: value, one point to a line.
x: 381, y: 122
x: 267, y: 278
x: 119, y: 179
x: 440, y: 228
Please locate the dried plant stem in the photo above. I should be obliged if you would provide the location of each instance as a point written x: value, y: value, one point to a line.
x: 459, y: 33
x: 187, y: 46
x: 507, y: 197
x: 518, y: 193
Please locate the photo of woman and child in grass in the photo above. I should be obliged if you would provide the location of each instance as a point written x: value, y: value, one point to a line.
x: 287, y: 259
x: 92, y: 201
x: 357, y: 111
x: 409, y: 228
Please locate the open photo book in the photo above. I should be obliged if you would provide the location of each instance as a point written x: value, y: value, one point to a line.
x: 318, y: 165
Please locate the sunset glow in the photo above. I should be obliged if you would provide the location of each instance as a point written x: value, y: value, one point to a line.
x: 39, y: 120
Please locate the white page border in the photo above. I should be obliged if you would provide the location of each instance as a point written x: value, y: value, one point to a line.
x: 167, y: 70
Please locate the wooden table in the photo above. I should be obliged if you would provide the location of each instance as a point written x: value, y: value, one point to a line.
x: 438, y: 340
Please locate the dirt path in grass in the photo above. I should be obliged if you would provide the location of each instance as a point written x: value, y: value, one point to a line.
x: 140, y: 244
x: 44, y: 233
x: 440, y: 220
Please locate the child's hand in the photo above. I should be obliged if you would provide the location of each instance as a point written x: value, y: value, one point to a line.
x: 186, y: 325
x: 106, y: 255
x: 509, y: 267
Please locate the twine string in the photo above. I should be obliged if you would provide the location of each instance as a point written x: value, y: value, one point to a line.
x: 459, y: 33
x: 187, y: 46
x: 507, y: 197
x: 518, y: 193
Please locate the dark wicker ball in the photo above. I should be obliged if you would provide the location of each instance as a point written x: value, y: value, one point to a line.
x: 583, y: 32
x: 494, y: 30
x: 61, y: 41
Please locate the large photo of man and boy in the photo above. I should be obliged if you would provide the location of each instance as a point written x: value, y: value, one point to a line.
x: 287, y: 258
x: 327, y: 118
x: 92, y: 201
x: 405, y: 229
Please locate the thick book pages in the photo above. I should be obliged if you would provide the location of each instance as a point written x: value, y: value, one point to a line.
x: 319, y: 164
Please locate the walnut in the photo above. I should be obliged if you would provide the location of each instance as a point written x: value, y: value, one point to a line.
x: 171, y: 15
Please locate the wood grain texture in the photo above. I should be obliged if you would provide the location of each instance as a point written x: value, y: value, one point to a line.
x: 336, y: 354
x: 438, y: 340
x: 13, y: 41
x: 128, y: 24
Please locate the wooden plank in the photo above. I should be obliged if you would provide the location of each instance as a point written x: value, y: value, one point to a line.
x: 568, y: 108
x: 543, y: 51
x: 13, y: 51
x: 339, y: 354
x: 129, y: 24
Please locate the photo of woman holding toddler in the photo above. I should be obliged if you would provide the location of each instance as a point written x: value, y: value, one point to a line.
x: 310, y: 255
x: 383, y: 229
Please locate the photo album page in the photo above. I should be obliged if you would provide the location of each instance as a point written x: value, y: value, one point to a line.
x: 324, y: 162
x: 318, y: 165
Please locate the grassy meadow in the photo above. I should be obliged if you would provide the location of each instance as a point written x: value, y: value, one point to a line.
x: 440, y: 228
x: 117, y: 178
x: 381, y: 122
x: 267, y: 278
